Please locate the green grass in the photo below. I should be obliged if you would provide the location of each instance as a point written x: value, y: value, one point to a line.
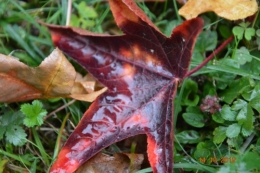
x: 232, y: 79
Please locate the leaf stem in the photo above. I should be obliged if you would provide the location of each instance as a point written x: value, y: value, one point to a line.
x: 60, y: 108
x: 210, y: 57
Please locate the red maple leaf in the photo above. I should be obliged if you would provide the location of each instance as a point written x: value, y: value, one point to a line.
x: 141, y: 70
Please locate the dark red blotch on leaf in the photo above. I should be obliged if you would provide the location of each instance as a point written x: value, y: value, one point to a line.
x: 141, y: 70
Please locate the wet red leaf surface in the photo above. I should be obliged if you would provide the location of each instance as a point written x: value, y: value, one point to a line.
x: 141, y: 70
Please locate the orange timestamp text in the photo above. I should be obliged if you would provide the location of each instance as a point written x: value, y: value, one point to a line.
x: 216, y: 161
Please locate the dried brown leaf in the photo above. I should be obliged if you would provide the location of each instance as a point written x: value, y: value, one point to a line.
x: 120, y: 162
x: 229, y: 9
x: 55, y: 77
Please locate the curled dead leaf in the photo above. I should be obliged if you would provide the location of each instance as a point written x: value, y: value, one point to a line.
x: 55, y: 77
x: 86, y: 88
x: 90, y: 97
x: 229, y: 9
x: 86, y: 84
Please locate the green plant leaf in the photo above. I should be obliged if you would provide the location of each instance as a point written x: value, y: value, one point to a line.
x: 194, y: 119
x: 258, y: 32
x: 246, y: 132
x: 87, y: 11
x: 247, y: 93
x: 208, y: 144
x: 248, y: 124
x: 235, y: 142
x: 11, y: 118
x: 255, y: 103
x: 244, y: 24
x: 232, y: 70
x: 225, y: 31
x: 255, y: 92
x: 193, y: 109
x: 188, y: 136
x: 238, y: 32
x: 251, y: 159
x: 242, y: 115
x: 201, y: 153
x: 34, y: 113
x: 227, y: 113
x: 207, y: 41
x: 253, y: 67
x: 10, y: 126
x: 224, y: 169
x: 233, y: 130
x: 242, y: 55
x: 249, y: 33
x: 219, y: 134
x: 235, y: 88
x: 74, y: 20
x: 190, y: 97
x: 223, y: 79
x: 229, y: 62
x: 217, y: 118
x: 85, y: 17
x: 238, y: 104
x: 16, y: 135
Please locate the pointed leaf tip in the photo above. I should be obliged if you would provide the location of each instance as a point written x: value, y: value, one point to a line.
x: 126, y: 12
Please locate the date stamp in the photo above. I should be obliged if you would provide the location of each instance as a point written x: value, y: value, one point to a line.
x: 216, y: 161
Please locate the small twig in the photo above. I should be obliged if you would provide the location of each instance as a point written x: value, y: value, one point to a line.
x: 247, y: 143
x: 68, y: 12
x: 211, y: 56
x: 60, y: 108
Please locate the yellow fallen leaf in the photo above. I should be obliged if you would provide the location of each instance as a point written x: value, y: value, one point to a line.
x: 55, y: 77
x: 229, y: 9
